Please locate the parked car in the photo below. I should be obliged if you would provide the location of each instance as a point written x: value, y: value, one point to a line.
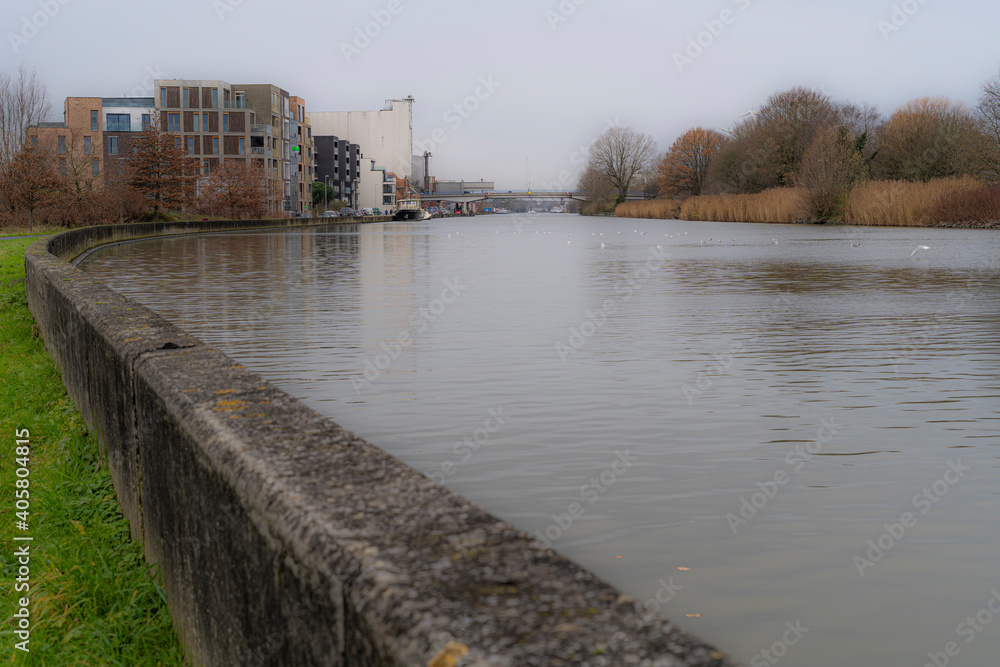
x: 367, y: 211
x: 329, y: 214
x: 347, y: 211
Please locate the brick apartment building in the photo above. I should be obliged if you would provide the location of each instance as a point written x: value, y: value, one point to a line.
x: 213, y: 121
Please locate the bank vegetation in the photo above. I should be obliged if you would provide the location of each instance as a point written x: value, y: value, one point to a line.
x: 803, y: 157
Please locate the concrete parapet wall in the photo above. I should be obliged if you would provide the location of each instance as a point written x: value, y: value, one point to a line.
x: 283, y: 539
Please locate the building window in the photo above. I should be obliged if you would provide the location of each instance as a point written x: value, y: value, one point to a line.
x: 215, y: 145
x: 96, y: 169
x: 163, y: 97
x: 241, y: 101
x: 145, y: 121
x: 215, y: 98
x: 387, y: 199
x: 225, y: 122
x: 119, y: 122
x: 243, y: 146
x: 190, y: 145
x: 204, y: 122
x: 94, y: 119
x: 173, y: 122
x: 204, y: 164
x: 86, y: 145
x: 62, y: 145
x: 112, y: 145
x: 177, y: 142
x: 187, y: 98
x: 194, y: 125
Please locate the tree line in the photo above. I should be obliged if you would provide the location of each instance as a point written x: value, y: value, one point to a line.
x: 56, y: 183
x: 802, y: 138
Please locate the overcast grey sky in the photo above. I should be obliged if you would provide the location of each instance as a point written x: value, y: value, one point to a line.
x: 558, y: 70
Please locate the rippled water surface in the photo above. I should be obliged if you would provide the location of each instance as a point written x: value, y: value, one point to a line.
x: 781, y: 395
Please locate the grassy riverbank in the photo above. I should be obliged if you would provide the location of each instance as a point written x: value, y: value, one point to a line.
x: 93, y: 600
x: 951, y: 202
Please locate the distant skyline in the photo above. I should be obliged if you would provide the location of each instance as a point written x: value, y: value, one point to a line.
x: 518, y: 82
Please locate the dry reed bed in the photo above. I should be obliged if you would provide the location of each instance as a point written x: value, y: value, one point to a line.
x: 962, y: 200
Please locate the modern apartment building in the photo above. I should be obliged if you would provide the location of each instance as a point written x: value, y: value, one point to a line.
x: 385, y: 136
x: 216, y: 121
x: 211, y: 120
x: 338, y: 164
x: 94, y: 135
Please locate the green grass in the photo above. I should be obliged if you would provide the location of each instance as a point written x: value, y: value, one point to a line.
x: 94, y: 599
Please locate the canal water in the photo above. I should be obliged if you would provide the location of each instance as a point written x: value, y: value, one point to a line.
x: 786, y: 439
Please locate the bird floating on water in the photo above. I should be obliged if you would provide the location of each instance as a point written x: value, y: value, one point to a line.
x: 855, y: 245
x: 919, y: 248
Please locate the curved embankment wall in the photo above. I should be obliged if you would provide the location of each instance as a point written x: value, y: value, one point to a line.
x: 283, y: 539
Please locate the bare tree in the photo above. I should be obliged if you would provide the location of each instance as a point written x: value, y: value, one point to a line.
x: 621, y: 153
x: 988, y: 112
x: 929, y: 138
x: 238, y: 189
x: 597, y: 188
x: 24, y: 101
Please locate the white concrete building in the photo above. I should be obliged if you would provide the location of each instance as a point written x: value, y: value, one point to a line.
x: 386, y: 141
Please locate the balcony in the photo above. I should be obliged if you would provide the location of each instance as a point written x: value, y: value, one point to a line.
x: 120, y: 126
x: 260, y: 129
x: 236, y: 104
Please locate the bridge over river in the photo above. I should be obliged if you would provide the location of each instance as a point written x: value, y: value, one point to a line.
x: 469, y: 196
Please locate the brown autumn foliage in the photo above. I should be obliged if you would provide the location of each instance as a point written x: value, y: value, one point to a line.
x: 29, y: 182
x: 929, y: 138
x: 238, y: 189
x: 161, y: 170
x: 684, y: 169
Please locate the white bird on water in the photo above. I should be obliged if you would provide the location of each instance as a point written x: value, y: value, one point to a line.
x: 919, y: 248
